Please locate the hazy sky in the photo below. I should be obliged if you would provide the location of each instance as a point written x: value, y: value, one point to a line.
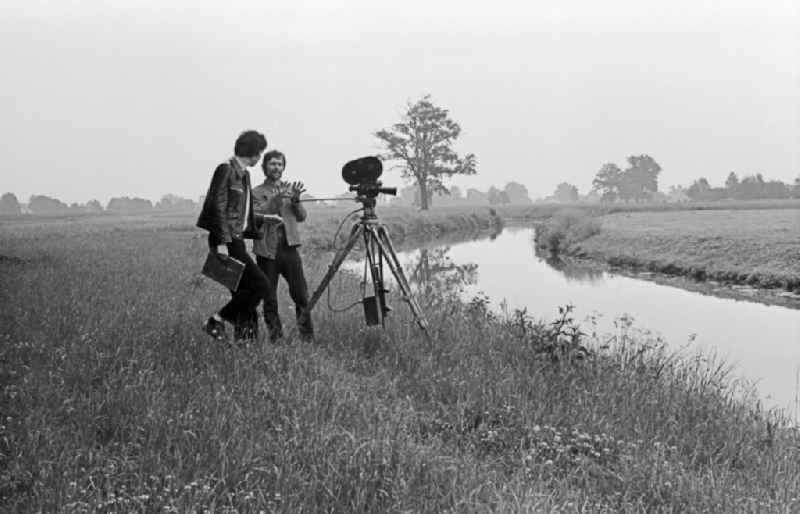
x: 111, y: 98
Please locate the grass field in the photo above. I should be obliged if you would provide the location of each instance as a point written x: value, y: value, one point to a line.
x: 546, y: 210
x: 756, y: 247
x: 113, y: 400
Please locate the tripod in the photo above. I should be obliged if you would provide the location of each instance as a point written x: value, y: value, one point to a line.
x: 378, y: 248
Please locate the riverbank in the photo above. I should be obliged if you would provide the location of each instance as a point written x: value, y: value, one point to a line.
x: 129, y: 406
x: 752, y: 247
x: 402, y: 223
x: 542, y: 211
x: 767, y: 296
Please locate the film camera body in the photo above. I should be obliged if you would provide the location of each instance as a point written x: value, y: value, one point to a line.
x: 362, y: 175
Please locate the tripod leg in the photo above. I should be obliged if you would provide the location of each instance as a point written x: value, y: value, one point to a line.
x: 375, y: 263
x: 338, y: 259
x: 397, y: 270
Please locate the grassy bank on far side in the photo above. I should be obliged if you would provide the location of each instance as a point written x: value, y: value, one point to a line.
x: 542, y: 211
x: 744, y: 246
x: 402, y: 223
x: 114, y: 400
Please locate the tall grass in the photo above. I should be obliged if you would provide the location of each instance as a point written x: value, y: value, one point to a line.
x: 113, y: 400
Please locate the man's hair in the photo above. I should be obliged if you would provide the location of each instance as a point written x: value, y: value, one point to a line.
x: 250, y: 144
x: 272, y: 154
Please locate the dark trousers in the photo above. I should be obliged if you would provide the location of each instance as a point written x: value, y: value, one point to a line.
x: 252, y: 287
x: 288, y: 264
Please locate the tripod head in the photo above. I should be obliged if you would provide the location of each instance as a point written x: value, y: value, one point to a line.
x: 362, y: 175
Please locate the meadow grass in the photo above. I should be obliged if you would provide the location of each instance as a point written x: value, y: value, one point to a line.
x: 540, y: 211
x: 114, y: 400
x: 756, y: 247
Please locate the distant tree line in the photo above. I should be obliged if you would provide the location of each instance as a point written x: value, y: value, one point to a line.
x: 638, y: 182
x: 512, y: 193
x: 42, y: 204
x: 747, y: 188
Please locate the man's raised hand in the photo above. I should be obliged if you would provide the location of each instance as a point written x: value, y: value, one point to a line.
x: 297, y: 189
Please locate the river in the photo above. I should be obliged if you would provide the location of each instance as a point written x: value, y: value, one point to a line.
x: 761, y: 342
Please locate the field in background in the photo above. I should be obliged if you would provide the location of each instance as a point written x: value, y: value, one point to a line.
x: 513, y: 211
x: 747, y: 246
x: 542, y: 211
x: 113, y: 399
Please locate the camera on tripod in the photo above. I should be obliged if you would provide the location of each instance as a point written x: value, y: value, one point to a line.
x: 362, y: 175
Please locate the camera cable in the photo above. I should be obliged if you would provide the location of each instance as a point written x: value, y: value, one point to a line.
x: 333, y: 244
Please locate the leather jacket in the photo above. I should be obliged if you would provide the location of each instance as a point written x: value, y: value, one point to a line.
x: 224, y: 206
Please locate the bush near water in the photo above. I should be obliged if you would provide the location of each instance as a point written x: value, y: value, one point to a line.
x: 565, y: 228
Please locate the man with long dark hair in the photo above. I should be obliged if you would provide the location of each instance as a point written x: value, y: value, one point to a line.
x: 229, y: 217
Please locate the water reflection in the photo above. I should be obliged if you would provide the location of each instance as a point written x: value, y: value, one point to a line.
x: 572, y: 270
x: 435, y: 276
x: 575, y: 272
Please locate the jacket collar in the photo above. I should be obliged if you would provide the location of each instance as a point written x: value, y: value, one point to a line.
x: 239, y: 170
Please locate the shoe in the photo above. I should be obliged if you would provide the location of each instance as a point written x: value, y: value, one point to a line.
x: 214, y: 328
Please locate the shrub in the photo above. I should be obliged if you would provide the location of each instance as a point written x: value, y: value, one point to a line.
x: 565, y: 228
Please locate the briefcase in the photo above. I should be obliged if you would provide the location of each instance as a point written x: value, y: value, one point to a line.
x: 223, y: 269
